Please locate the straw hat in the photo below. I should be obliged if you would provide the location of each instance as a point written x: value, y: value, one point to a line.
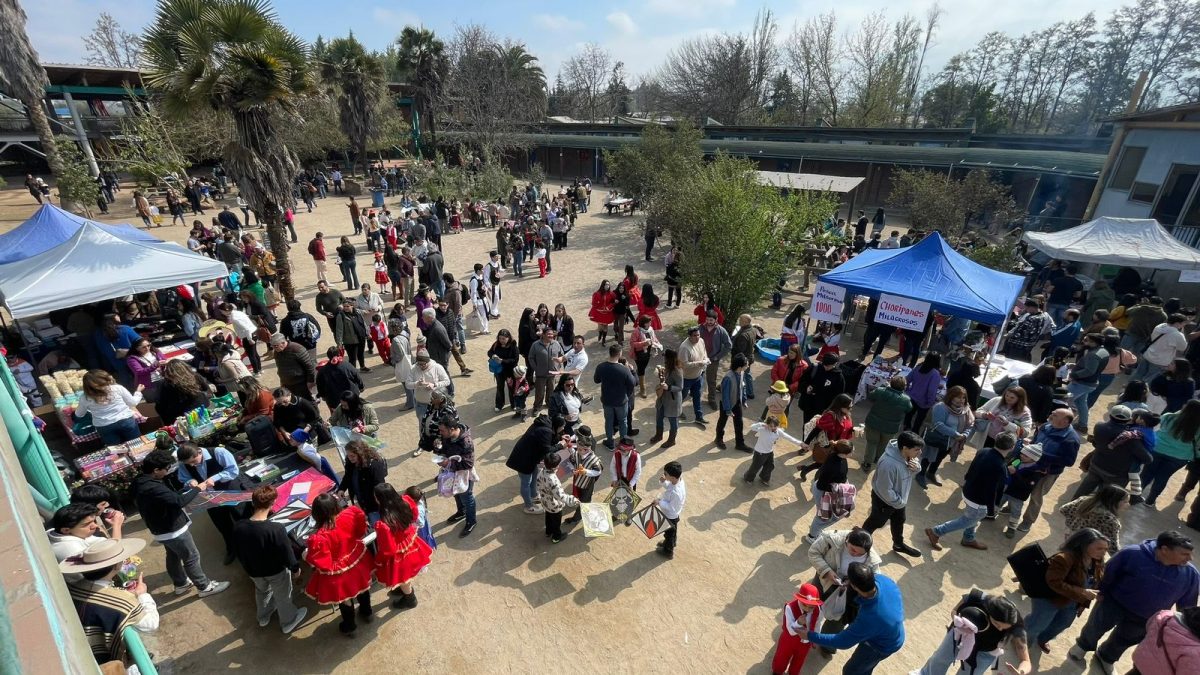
x: 101, y: 554
x: 213, y: 325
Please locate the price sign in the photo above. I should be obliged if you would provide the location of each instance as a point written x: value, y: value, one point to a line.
x: 827, y: 303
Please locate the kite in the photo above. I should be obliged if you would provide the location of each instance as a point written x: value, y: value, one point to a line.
x: 597, y: 519
x: 622, y: 500
x: 651, y: 521
x: 213, y: 498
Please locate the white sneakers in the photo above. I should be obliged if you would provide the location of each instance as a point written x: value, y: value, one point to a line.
x: 535, y: 509
x: 213, y: 588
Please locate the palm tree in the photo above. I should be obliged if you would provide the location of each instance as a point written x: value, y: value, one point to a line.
x: 233, y: 56
x: 424, y: 63
x: 522, y: 69
x: 358, y: 76
x: 23, y: 77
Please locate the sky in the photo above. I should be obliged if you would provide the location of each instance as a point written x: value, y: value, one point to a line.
x: 639, y: 32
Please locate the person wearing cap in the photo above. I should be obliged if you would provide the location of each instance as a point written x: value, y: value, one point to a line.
x: 295, y: 365
x: 1022, y: 476
x: 804, y: 609
x: 878, y: 630
x: 1114, y: 453
x: 269, y: 558
x: 302, y: 441
x: 778, y: 402
x: 981, y: 488
x: 105, y: 611
x: 1060, y: 449
x: 693, y: 357
x: 1139, y: 581
x: 425, y: 377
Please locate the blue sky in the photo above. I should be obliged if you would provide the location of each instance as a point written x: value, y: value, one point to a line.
x: 640, y: 33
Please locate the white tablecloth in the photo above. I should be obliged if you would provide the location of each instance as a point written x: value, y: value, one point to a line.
x: 878, y: 373
x: 1002, y: 367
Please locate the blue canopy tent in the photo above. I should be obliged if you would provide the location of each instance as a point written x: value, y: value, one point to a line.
x: 50, y: 226
x: 932, y: 272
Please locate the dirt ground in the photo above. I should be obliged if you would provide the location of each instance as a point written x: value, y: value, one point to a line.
x: 505, y: 599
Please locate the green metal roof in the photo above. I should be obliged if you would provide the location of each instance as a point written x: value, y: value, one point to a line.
x: 1081, y: 164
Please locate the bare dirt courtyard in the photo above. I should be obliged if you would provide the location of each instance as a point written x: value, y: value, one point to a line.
x: 506, y: 600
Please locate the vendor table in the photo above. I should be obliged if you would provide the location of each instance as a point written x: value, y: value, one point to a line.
x: 1003, y: 367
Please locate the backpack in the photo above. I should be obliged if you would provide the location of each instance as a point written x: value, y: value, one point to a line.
x: 306, y: 332
x: 464, y: 294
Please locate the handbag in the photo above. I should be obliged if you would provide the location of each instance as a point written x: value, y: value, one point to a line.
x: 495, y: 367
x: 1030, y: 565
x: 835, y: 604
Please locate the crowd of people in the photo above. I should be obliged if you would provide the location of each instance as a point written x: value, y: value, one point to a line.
x: 1020, y: 442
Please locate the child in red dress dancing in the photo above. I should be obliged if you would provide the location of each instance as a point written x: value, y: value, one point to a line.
x: 379, y: 335
x: 791, y: 650
x: 341, y: 564
x: 401, y: 553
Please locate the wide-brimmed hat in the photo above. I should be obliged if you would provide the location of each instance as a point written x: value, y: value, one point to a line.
x: 101, y: 554
x: 212, y: 326
x: 807, y: 594
x: 780, y: 387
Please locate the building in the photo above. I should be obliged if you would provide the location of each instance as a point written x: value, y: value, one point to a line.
x: 1152, y: 170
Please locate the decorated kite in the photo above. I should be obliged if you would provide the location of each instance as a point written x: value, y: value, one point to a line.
x: 597, y: 519
x: 651, y: 521
x: 622, y: 501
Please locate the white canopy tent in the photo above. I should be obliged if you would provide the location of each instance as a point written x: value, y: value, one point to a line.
x: 94, y: 265
x: 1132, y: 242
x: 809, y: 181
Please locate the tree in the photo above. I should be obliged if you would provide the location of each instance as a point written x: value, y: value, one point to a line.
x: 110, y: 45
x: 815, y: 55
x: 77, y: 187
x: 783, y: 105
x: 358, y: 78
x: 662, y: 157
x: 233, y: 55
x: 423, y: 64
x: 587, y: 76
x: 617, y: 94
x: 738, y: 265
x: 438, y: 179
x: 936, y: 201
x: 23, y: 78
x: 391, y: 131
x: 311, y: 128
x: 147, y: 145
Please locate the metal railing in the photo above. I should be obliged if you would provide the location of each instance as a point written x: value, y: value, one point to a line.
x: 1186, y: 234
x: 137, y: 651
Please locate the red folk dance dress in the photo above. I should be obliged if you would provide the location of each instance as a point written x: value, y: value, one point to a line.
x: 701, y: 313
x: 400, y: 555
x: 341, y: 564
x: 635, y: 291
x: 652, y: 312
x: 602, y: 307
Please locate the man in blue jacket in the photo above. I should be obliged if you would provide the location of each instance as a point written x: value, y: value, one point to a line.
x: 878, y: 630
x: 1060, y: 448
x: 1138, y: 582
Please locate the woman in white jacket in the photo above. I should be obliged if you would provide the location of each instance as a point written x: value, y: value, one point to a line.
x: 831, y: 555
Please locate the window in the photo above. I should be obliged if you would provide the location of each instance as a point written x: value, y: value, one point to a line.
x: 1176, y: 189
x: 1127, y: 168
x: 1143, y: 192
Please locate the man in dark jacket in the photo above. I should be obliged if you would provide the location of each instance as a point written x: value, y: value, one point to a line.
x: 437, y: 340
x: 1111, y: 460
x: 981, y: 488
x: 540, y: 439
x: 296, y: 367
x: 431, y: 270
x: 162, y: 510
x: 230, y: 253
x: 1060, y: 449
x: 300, y: 327
x: 328, y: 301
x: 335, y: 378
x: 350, y: 333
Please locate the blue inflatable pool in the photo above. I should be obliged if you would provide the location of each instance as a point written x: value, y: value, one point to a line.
x: 768, y: 349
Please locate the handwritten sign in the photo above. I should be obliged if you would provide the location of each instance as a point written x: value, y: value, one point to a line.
x: 906, y: 313
x: 827, y: 303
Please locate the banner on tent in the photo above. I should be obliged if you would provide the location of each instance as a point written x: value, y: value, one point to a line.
x: 827, y: 302
x: 1189, y: 276
x: 901, y: 312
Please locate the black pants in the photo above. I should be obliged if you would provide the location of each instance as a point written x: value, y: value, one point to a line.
x: 760, y: 462
x: 584, y: 496
x: 223, y: 518
x: 251, y: 347
x: 300, y: 390
x: 355, y: 351
x: 876, y: 332
x: 554, y: 524
x: 501, y: 389
x: 674, y: 292
x: 882, y: 512
x: 671, y: 536
x: 347, y: 610
x: 915, y: 417
x: 736, y: 413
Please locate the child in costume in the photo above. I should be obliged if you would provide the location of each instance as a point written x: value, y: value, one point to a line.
x: 401, y: 553
x: 341, y: 564
x: 804, y: 610
x: 585, y: 469
x: 378, y: 333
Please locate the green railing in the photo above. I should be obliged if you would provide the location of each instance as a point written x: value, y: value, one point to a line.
x: 137, y: 651
x: 45, y: 482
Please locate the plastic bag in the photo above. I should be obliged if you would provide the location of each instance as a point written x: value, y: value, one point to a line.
x: 445, y: 483
x: 835, y: 604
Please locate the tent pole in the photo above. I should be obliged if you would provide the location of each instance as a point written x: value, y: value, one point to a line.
x: 995, y: 349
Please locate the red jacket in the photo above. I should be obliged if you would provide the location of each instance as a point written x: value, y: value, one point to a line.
x: 780, y: 369
x: 316, y: 248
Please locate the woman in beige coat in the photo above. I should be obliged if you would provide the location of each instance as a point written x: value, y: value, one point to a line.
x: 831, y: 555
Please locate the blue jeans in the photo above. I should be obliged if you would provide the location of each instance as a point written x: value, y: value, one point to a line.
x: 1146, y: 371
x: 1056, y: 312
x: 1079, y: 396
x: 692, y: 387
x: 439, y: 286
x: 1158, y: 472
x: 1105, y: 381
x: 462, y: 334
x: 660, y: 414
x: 614, y: 419
x: 526, y: 488
x: 748, y: 382
x: 119, y: 432
x: 466, y: 503
x: 943, y: 659
x: 1046, y: 621
x: 967, y: 522
x: 864, y: 660
x: 518, y: 261
x: 420, y: 409
x: 183, y: 562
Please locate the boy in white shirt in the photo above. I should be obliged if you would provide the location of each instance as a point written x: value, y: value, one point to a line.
x: 671, y: 504
x: 762, y: 460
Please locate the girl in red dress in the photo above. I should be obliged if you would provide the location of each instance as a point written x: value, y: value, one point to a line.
x: 381, y: 273
x: 401, y: 554
x: 706, y: 305
x: 602, y: 309
x: 631, y: 286
x: 836, y: 424
x: 341, y: 563
x: 648, y: 306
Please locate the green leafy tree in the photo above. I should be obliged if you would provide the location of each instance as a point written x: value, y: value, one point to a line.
x: 662, y: 158
x: 738, y: 265
x: 77, y: 188
x: 391, y: 130
x: 147, y: 146
x: 1001, y: 256
x: 23, y: 78
x: 357, y: 76
x: 234, y: 55
x: 936, y: 201
x: 311, y: 128
x: 438, y: 179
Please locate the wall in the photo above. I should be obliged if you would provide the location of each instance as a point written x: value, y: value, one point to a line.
x: 1165, y: 147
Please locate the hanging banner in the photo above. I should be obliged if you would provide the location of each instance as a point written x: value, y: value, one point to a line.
x: 901, y: 312
x: 827, y: 302
x: 1189, y: 276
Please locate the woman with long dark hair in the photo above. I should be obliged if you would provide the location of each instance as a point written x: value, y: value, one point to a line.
x: 708, y: 304
x: 341, y: 564
x: 503, y: 356
x: 182, y: 389
x: 400, y: 553
x: 793, y: 332
x: 602, y: 309
x: 837, y: 426
x: 924, y: 383
x: 1074, y: 575
x: 526, y: 334
x: 648, y: 307
x: 1134, y: 395
x: 356, y: 414
x: 1175, y: 384
x: 1100, y: 510
x: 630, y: 282
x: 621, y: 304
x: 364, y: 470
x: 669, y: 402
x: 1178, y: 438
x: 642, y: 343
x: 566, y: 402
